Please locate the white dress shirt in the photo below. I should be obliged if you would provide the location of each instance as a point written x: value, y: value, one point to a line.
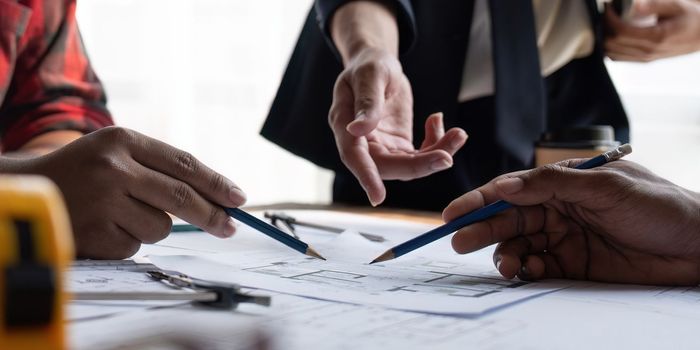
x: 564, y: 33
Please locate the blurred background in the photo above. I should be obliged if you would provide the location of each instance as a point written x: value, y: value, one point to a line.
x: 201, y: 75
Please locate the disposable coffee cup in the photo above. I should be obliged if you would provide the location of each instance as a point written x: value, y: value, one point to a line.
x: 578, y: 142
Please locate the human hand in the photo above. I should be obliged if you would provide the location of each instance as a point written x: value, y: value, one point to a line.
x: 118, y: 185
x: 372, y: 120
x: 677, y: 31
x: 615, y: 223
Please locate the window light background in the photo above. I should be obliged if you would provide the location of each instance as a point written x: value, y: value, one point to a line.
x: 201, y: 75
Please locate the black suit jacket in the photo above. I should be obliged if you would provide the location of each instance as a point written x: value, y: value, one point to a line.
x: 434, y: 39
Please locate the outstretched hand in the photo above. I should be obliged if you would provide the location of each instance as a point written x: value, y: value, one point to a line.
x: 372, y: 120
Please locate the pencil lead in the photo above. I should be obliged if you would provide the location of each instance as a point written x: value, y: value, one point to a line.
x: 388, y: 255
x: 311, y: 252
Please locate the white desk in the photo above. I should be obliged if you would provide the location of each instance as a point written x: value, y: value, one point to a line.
x: 584, y: 316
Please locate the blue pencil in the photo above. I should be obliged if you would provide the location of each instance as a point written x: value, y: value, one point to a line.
x: 485, y: 212
x: 272, y: 232
x: 185, y: 228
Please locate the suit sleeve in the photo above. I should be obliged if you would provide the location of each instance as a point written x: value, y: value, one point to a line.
x: 54, y: 86
x: 404, y: 18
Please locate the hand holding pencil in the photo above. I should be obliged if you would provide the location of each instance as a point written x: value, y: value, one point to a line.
x: 615, y: 223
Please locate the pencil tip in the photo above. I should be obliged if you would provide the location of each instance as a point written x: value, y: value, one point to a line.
x: 388, y: 255
x: 311, y: 252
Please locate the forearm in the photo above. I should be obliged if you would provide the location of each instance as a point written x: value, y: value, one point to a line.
x: 9, y: 165
x: 45, y: 143
x: 359, y: 25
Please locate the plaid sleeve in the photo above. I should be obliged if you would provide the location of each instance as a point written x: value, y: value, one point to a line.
x: 53, y: 86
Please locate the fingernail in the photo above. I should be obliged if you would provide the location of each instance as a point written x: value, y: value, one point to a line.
x: 456, y: 142
x: 524, y: 271
x: 497, y: 262
x: 374, y: 202
x: 229, y: 228
x: 360, y: 115
x: 510, y: 185
x: 237, y: 195
x: 441, y: 164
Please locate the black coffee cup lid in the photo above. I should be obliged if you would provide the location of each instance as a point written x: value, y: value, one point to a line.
x: 579, y: 137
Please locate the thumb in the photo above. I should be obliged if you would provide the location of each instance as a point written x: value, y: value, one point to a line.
x: 550, y: 182
x: 663, y: 8
x: 368, y: 90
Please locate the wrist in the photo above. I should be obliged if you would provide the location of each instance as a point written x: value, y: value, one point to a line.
x: 12, y: 165
x: 361, y: 47
x: 361, y: 25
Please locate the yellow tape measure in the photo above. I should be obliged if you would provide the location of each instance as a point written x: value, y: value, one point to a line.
x: 36, y: 246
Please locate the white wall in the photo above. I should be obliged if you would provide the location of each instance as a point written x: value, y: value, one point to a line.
x: 663, y: 102
x: 201, y: 74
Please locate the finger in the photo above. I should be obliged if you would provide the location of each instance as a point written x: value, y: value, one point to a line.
x: 184, y: 167
x: 143, y: 222
x: 617, y: 49
x: 368, y: 83
x: 122, y: 246
x: 643, y: 45
x: 540, y: 266
x: 662, y: 8
x: 625, y: 43
x: 174, y: 196
x: 554, y: 181
x: 474, y: 199
x: 515, y: 222
x: 510, y: 255
x: 105, y: 240
x: 623, y: 29
x: 619, y: 57
x: 354, y: 151
x: 451, y: 142
x: 638, y: 50
x: 355, y: 155
x: 434, y: 130
x: 408, y: 166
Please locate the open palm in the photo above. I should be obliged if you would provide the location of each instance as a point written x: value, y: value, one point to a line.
x: 372, y: 120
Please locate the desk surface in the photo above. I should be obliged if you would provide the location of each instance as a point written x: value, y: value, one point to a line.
x: 583, y: 316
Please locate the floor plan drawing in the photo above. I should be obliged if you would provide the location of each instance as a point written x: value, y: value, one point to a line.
x: 422, y: 287
x: 437, y: 282
x: 430, y: 281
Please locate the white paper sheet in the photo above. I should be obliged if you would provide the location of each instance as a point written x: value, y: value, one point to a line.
x: 418, y: 284
x: 180, y: 328
x: 111, y: 276
x: 583, y: 316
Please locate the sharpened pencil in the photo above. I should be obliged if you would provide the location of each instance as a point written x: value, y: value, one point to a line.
x: 272, y: 232
x: 485, y: 212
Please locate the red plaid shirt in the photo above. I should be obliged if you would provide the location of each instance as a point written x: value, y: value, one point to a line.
x: 46, y: 82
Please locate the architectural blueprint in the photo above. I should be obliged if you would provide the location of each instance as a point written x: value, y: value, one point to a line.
x: 422, y: 284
